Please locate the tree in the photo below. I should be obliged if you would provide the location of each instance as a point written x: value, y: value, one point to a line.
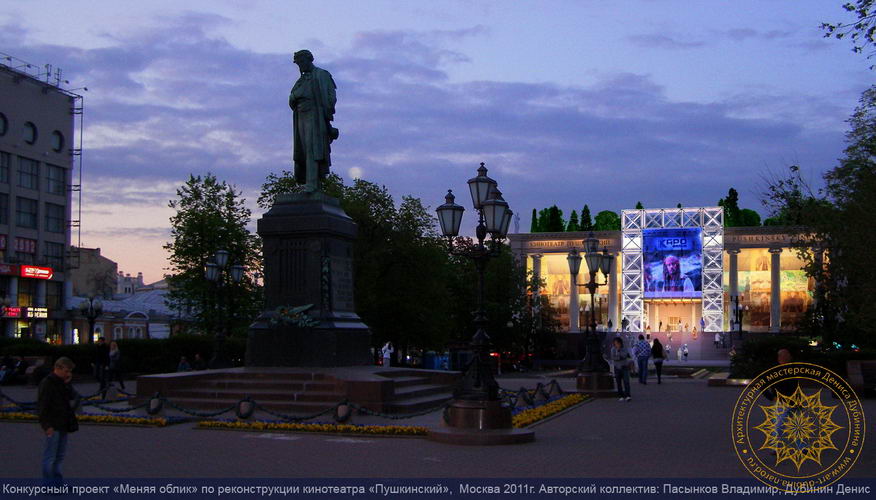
x: 607, y: 221
x: 533, y: 226
x: 840, y: 220
x: 555, y: 222
x: 543, y: 216
x: 748, y: 218
x: 586, y: 220
x: 211, y: 216
x: 573, y: 223
x: 639, y: 205
x: 862, y: 31
x: 731, y: 208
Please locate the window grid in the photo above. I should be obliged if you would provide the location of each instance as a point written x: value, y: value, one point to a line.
x: 26, y: 213
x: 54, y: 218
x: 55, y: 179
x: 28, y: 173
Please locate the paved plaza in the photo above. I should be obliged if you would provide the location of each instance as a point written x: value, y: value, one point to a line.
x: 680, y: 429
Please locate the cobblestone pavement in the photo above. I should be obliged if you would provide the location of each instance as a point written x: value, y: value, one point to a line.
x: 680, y: 428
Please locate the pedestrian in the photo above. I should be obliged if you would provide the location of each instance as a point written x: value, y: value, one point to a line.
x: 114, y: 369
x: 717, y: 339
x: 702, y: 324
x: 621, y: 361
x: 199, y: 363
x: 183, y: 365
x: 680, y: 352
x: 387, y: 351
x: 658, y: 355
x: 685, y: 353
x: 56, y: 417
x: 101, y: 362
x: 642, y: 350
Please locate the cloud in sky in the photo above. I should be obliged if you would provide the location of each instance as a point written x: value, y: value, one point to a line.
x: 173, y: 98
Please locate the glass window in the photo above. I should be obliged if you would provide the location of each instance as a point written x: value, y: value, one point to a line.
x: 797, y: 289
x: 55, y: 295
x: 754, y: 287
x: 30, y: 133
x: 5, y: 161
x: 26, y: 212
x: 57, y: 141
x: 54, y: 255
x: 4, y: 124
x: 28, y: 173
x: 54, y: 218
x: 26, y: 292
x: 4, y: 208
x: 55, y: 179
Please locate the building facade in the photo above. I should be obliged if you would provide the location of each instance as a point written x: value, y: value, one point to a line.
x: 739, y: 278
x: 36, y: 171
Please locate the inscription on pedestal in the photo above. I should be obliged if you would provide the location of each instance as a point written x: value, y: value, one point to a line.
x: 342, y: 284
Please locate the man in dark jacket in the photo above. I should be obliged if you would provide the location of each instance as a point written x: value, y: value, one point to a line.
x: 101, y: 364
x: 57, y: 418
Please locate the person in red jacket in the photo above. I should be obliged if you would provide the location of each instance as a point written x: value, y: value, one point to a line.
x: 56, y: 417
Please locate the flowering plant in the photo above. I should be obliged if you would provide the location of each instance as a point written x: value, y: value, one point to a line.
x: 268, y: 425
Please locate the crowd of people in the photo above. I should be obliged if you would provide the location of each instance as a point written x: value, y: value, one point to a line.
x: 625, y: 360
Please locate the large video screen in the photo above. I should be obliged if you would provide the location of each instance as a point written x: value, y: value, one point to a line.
x: 673, y: 263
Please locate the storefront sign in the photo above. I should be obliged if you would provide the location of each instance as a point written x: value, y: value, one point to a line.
x: 11, y: 312
x: 43, y: 273
x: 25, y: 245
x: 9, y: 270
x: 35, y: 312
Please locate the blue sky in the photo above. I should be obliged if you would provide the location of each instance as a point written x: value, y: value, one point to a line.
x: 568, y: 102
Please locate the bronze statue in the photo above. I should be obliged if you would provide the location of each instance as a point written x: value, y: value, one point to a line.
x: 313, y: 108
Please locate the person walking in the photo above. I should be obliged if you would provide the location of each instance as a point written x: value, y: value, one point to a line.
x: 658, y: 355
x: 620, y: 361
x: 642, y: 350
x: 56, y: 417
x: 685, y: 352
x: 114, y: 369
x: 101, y: 361
x: 387, y: 351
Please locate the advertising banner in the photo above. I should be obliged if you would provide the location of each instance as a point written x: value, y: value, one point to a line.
x: 673, y: 263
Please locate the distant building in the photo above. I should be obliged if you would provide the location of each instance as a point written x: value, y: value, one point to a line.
x: 140, y: 315
x: 95, y: 276
x: 126, y: 284
x: 37, y: 152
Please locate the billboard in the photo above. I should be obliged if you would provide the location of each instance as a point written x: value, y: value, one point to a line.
x: 672, y: 263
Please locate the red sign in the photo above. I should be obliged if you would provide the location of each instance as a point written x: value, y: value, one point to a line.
x: 43, y: 273
x: 11, y: 312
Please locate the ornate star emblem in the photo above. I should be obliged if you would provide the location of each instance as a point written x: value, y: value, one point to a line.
x: 798, y: 427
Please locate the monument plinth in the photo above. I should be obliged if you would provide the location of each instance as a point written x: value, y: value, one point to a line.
x: 308, y: 259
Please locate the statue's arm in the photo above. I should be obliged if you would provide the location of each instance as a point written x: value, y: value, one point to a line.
x: 332, y: 96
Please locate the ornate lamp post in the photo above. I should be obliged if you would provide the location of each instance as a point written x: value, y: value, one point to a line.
x: 477, y: 405
x: 220, y: 273
x: 91, y: 308
x: 738, y: 309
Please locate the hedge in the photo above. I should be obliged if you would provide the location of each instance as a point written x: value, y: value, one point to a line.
x: 759, y: 354
x: 138, y: 355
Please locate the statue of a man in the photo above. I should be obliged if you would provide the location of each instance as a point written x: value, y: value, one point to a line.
x: 313, y: 108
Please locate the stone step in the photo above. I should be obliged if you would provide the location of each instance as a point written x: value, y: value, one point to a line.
x: 233, y: 394
x: 257, y: 385
x: 331, y: 397
x: 415, y: 391
x: 294, y: 376
x: 293, y: 408
x: 413, y: 405
x: 409, y: 381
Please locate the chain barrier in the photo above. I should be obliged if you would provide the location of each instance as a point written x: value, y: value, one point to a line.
x: 197, y: 413
x: 119, y: 410
x: 393, y: 416
x: 290, y: 418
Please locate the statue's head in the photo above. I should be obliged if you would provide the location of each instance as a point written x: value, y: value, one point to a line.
x: 304, y: 60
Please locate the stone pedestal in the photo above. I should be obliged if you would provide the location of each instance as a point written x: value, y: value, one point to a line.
x: 308, y: 257
x: 479, y: 423
x: 596, y: 384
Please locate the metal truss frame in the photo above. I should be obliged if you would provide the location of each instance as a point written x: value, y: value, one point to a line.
x: 634, y: 222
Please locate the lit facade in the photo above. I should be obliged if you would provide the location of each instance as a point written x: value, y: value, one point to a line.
x: 755, y: 267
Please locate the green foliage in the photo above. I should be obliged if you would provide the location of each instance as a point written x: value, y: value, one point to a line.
x: 555, y: 222
x: 543, y: 216
x: 840, y: 220
x: 736, y: 217
x: 210, y: 216
x: 748, y: 218
x: 573, y: 223
x: 533, y: 226
x: 586, y: 220
x: 861, y: 31
x: 639, y: 205
x: 607, y: 221
x: 761, y: 353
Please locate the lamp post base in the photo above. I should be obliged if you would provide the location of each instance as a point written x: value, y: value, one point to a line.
x: 479, y: 423
x: 596, y: 384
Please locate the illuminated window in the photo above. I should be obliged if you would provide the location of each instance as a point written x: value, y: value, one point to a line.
x: 797, y: 289
x: 755, y: 284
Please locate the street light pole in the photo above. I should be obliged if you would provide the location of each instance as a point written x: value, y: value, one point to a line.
x: 219, y: 272
x: 91, y: 308
x: 596, y: 262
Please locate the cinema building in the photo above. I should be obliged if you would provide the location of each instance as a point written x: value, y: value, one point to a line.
x: 676, y: 274
x: 37, y: 154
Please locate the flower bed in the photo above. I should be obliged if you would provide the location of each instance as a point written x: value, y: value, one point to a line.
x: 93, y: 418
x: 530, y: 416
x: 267, y: 425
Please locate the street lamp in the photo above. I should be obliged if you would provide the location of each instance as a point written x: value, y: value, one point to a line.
x: 220, y: 273
x: 738, y: 309
x: 476, y: 397
x: 91, y: 308
x: 596, y: 262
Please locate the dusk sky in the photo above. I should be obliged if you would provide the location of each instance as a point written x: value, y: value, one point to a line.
x: 567, y: 102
